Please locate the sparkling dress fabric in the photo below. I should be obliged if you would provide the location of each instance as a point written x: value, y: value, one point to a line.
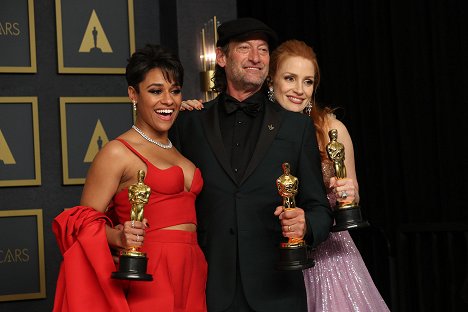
x: 340, y: 281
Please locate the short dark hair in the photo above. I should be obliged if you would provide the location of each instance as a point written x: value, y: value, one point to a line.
x: 154, y: 56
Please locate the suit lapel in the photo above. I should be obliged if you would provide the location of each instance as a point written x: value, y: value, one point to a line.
x: 210, y: 122
x: 268, y: 131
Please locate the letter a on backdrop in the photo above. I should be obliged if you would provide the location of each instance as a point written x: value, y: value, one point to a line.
x: 5, y: 153
x: 98, y: 140
x: 95, y: 38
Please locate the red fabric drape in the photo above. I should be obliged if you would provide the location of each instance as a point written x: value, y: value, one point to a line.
x: 84, y: 282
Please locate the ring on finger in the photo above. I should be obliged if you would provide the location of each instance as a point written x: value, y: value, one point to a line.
x: 344, y: 194
x: 289, y: 228
x: 138, y: 238
x: 133, y: 223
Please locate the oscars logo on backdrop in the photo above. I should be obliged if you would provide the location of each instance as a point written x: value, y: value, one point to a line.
x: 95, y: 39
x: 5, y: 153
x: 9, y: 29
x: 98, y: 140
x: 17, y: 255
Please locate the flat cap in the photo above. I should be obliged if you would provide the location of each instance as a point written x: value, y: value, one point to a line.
x: 242, y: 27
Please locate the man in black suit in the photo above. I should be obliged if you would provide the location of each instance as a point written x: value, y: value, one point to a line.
x: 240, y: 141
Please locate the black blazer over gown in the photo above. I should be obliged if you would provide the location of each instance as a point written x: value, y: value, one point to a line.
x: 235, y: 220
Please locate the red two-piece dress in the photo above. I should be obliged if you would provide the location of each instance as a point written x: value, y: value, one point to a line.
x: 175, y: 260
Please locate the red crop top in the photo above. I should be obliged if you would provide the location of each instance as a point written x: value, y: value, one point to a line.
x: 169, y: 204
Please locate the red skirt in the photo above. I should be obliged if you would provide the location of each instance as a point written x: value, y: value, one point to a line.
x: 179, y: 272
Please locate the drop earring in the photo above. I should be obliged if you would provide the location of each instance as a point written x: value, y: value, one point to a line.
x: 308, y: 108
x: 271, y: 94
x: 134, y: 105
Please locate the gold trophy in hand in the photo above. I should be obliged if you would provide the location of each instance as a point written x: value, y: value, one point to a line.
x: 133, y: 262
x: 347, y: 214
x: 294, y: 254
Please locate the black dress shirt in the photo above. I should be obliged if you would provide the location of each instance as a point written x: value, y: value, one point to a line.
x: 240, y: 124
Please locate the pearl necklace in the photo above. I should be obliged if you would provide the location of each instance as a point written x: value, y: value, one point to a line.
x: 165, y: 146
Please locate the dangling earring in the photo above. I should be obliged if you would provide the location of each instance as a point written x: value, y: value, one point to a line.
x: 134, y: 105
x: 271, y: 94
x: 308, y: 108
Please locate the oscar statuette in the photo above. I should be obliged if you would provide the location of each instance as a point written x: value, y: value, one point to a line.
x: 347, y: 214
x: 133, y: 262
x: 294, y: 254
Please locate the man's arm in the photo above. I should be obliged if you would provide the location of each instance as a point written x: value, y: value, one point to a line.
x: 312, y: 193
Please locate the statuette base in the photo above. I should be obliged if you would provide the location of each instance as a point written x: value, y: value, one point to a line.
x: 348, y: 217
x: 294, y: 257
x: 132, y: 268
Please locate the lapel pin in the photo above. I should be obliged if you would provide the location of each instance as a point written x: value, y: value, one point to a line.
x: 271, y: 127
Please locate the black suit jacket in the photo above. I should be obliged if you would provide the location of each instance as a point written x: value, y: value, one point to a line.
x: 236, y: 221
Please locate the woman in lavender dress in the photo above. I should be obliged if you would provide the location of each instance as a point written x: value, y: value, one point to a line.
x: 339, y: 281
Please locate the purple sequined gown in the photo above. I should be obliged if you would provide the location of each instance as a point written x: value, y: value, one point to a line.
x: 339, y: 281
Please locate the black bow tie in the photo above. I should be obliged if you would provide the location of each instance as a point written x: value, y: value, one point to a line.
x: 250, y: 108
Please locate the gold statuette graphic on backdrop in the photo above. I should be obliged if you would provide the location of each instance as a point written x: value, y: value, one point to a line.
x: 133, y: 262
x: 294, y: 254
x: 347, y: 214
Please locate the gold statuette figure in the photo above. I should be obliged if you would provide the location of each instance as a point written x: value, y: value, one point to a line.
x: 294, y: 254
x: 133, y: 262
x: 138, y: 196
x: 348, y: 215
x: 336, y: 153
x: 287, y: 188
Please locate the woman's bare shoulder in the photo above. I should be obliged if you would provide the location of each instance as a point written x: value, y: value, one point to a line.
x: 335, y: 123
x: 112, y: 151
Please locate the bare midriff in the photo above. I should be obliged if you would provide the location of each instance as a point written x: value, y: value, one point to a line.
x: 189, y: 227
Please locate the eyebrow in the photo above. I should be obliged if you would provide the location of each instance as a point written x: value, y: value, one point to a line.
x: 292, y: 74
x: 155, y: 85
x: 264, y: 44
x: 159, y: 84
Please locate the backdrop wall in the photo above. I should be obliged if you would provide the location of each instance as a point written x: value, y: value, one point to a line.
x: 397, y: 71
x: 171, y: 23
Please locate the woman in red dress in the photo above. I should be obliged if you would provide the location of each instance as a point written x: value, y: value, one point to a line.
x: 167, y: 234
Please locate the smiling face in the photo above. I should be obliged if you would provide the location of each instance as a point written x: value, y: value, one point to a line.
x: 158, y: 103
x: 246, y: 65
x: 293, y: 83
